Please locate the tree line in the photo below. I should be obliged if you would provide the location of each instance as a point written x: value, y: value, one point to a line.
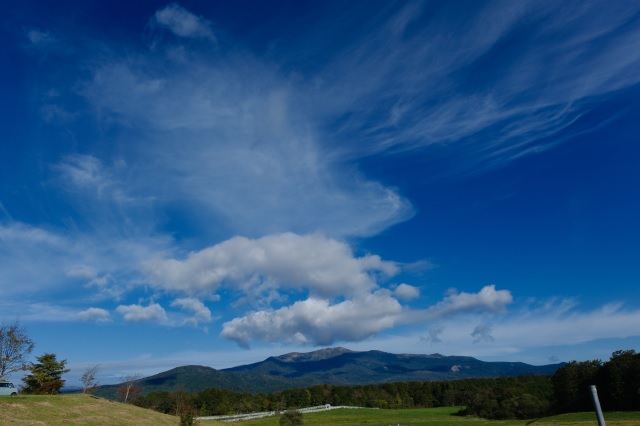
x: 617, y: 381
x: 216, y: 401
x: 523, y: 397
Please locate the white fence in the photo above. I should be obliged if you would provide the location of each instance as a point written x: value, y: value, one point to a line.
x: 249, y: 416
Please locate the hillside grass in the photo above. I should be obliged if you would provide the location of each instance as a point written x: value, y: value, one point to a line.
x: 76, y: 409
x: 437, y: 417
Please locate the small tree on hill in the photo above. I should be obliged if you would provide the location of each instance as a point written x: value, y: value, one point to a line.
x: 130, y: 389
x: 46, y: 375
x: 89, y: 379
x: 15, y: 347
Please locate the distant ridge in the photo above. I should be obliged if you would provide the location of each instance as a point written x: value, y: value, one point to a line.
x: 332, y: 366
x: 313, y: 356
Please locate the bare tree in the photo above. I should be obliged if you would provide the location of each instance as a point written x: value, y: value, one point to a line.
x: 15, y: 347
x: 89, y: 378
x: 129, y: 388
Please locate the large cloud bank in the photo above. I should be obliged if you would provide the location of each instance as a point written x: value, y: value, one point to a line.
x: 343, y: 296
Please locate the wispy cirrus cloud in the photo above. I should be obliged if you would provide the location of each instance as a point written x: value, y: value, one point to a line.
x: 281, y: 141
x: 531, y: 332
x: 40, y: 38
x: 566, y: 322
x: 183, y: 23
x: 102, y: 197
x: 34, y: 261
x: 25, y: 251
x: 84, y: 172
x: 237, y: 121
x: 497, y: 90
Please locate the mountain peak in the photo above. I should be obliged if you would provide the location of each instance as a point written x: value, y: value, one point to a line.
x: 336, y: 366
x: 314, y: 355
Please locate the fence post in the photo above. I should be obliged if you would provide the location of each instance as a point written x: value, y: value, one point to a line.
x: 596, y: 403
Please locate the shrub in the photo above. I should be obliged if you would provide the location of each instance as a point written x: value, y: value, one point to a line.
x: 188, y: 419
x: 291, y: 418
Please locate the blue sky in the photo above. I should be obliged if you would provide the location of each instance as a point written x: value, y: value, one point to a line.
x: 217, y: 182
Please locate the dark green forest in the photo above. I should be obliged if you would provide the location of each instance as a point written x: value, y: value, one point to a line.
x: 523, y: 397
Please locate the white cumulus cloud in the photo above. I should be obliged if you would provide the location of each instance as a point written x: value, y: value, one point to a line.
x: 317, y: 321
x: 324, y: 266
x: 136, y: 313
x: 95, y: 314
x: 407, y: 292
x: 201, y: 314
x: 486, y: 300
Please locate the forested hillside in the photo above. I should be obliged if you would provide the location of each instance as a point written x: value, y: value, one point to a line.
x: 332, y: 366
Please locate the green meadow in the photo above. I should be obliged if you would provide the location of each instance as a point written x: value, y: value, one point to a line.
x: 438, y: 417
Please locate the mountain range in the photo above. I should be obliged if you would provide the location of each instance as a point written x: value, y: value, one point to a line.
x: 336, y: 366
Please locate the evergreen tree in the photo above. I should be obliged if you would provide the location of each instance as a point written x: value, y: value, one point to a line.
x: 46, y: 375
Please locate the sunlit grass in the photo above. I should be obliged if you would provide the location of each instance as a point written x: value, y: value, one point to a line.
x: 76, y: 410
x: 618, y: 418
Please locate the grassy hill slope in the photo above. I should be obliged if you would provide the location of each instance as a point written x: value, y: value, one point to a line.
x: 76, y: 409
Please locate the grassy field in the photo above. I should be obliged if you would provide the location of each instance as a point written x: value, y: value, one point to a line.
x: 438, y: 417
x: 85, y: 410
x: 76, y: 410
